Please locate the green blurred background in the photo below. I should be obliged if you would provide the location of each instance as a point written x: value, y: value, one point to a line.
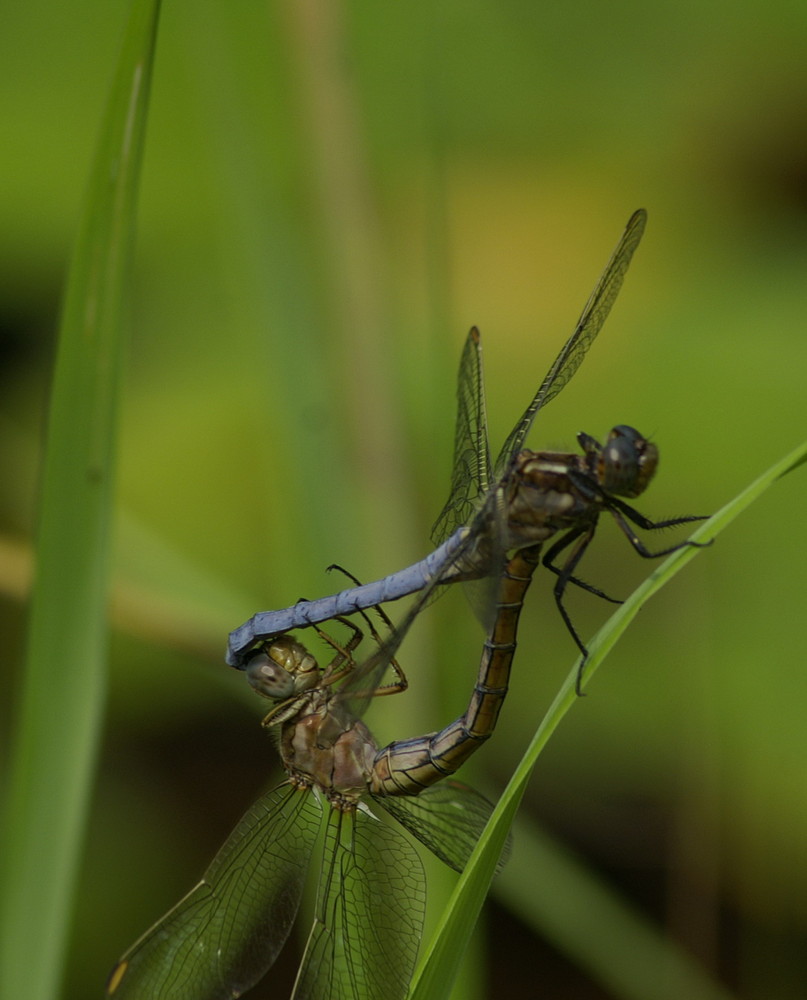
x: 333, y: 194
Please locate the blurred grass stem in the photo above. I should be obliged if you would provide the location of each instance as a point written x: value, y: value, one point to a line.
x: 63, y: 682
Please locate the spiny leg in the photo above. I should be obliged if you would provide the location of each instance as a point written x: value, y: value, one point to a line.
x: 646, y: 524
x: 401, y: 684
x: 581, y: 542
x: 344, y: 662
x: 623, y: 514
x: 553, y: 552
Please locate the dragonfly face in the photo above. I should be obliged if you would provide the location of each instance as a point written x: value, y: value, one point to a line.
x: 282, y: 668
x: 625, y: 465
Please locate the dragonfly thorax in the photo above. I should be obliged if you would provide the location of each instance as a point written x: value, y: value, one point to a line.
x: 282, y: 668
x: 626, y: 463
x: 330, y: 749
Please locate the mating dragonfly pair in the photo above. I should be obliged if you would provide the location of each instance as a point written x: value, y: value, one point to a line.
x: 227, y: 932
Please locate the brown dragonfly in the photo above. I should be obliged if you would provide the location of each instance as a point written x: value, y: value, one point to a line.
x: 226, y: 933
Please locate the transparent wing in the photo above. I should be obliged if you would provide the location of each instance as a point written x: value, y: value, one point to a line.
x: 588, y: 326
x: 225, y: 934
x: 368, y: 676
x: 488, y: 523
x: 470, y: 473
x: 448, y: 818
x: 370, y: 908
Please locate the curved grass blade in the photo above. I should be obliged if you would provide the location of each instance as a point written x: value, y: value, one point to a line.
x: 52, y: 759
x: 438, y: 968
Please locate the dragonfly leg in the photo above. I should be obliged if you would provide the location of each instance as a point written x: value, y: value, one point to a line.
x: 395, y: 687
x: 581, y: 541
x: 623, y: 518
x: 344, y: 662
x: 554, y: 552
x: 382, y: 614
x: 401, y: 683
x: 645, y: 523
x: 346, y: 652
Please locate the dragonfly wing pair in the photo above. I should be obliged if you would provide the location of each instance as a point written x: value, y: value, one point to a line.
x: 225, y: 935
x: 472, y: 526
x: 222, y: 937
x: 478, y: 502
x: 472, y: 475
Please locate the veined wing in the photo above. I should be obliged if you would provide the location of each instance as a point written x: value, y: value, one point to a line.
x: 448, y: 818
x: 368, y: 676
x: 225, y: 934
x: 470, y: 453
x: 470, y: 477
x: 588, y: 326
x: 370, y: 908
x: 470, y: 485
x: 470, y: 472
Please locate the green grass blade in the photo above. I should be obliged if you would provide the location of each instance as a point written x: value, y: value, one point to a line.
x: 61, y: 698
x: 439, y: 965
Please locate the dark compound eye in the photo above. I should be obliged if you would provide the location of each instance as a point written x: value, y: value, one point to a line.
x: 268, y: 678
x: 628, y: 462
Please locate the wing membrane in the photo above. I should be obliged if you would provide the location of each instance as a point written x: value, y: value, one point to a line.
x: 448, y: 818
x: 470, y: 473
x: 367, y: 677
x: 476, y: 498
x: 588, y: 326
x: 226, y: 933
x: 370, y: 908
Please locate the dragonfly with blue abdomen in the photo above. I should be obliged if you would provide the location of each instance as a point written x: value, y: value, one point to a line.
x: 523, y: 499
x: 226, y: 933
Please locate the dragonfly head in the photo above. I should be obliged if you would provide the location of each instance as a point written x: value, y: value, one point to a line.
x: 625, y: 464
x: 282, y: 668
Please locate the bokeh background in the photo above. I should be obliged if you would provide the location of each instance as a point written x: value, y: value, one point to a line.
x: 333, y: 194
